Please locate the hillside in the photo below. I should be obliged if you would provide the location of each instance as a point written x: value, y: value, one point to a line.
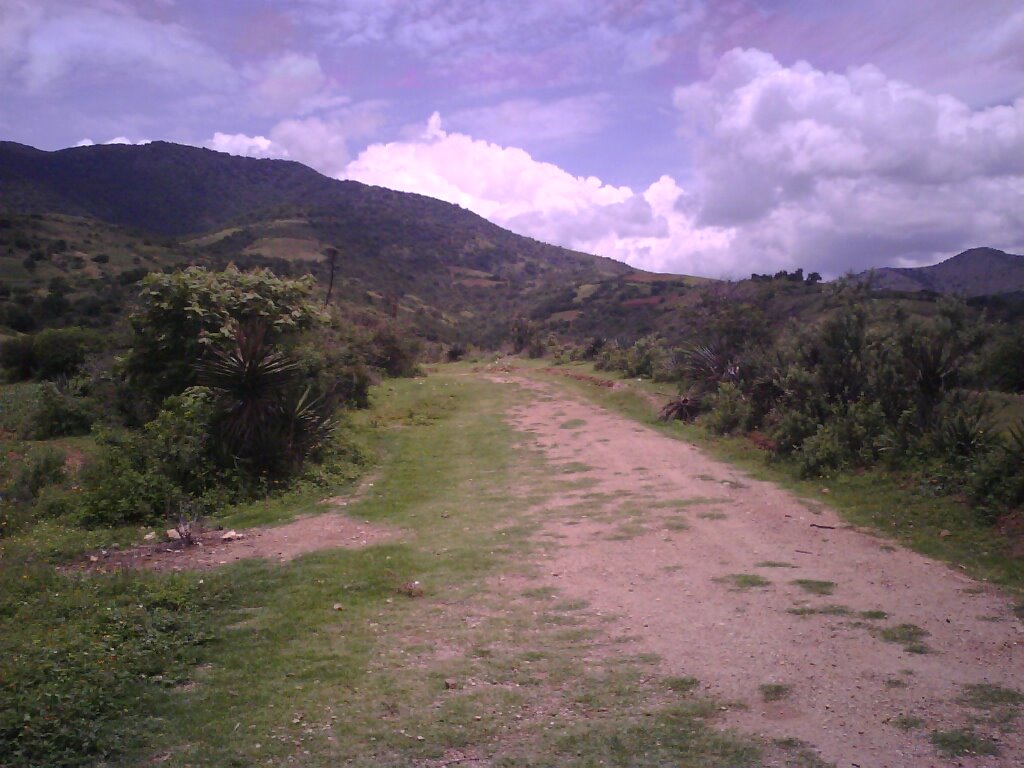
x: 975, y: 272
x: 456, y: 273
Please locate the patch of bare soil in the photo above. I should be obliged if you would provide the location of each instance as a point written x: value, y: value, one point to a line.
x: 668, y: 541
x: 213, y: 549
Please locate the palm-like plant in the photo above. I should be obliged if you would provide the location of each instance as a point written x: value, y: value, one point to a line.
x: 262, y: 421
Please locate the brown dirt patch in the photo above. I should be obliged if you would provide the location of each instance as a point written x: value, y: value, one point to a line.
x: 282, y: 543
x: 658, y: 547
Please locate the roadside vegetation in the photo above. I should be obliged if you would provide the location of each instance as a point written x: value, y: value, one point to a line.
x: 222, y: 390
x: 866, y: 386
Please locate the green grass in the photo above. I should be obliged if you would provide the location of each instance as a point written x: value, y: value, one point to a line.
x: 572, y: 424
x: 960, y: 742
x: 910, y: 636
x: 815, y: 587
x: 681, y: 684
x: 873, y: 615
x: 740, y: 582
x: 774, y: 691
x: 712, y: 515
x: 825, y: 610
x: 907, y: 722
x: 988, y: 696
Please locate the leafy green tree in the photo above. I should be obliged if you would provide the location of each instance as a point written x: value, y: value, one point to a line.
x: 184, y: 315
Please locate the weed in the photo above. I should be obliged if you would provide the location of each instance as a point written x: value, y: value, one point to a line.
x: 773, y: 564
x: 962, y: 741
x: 739, y: 582
x: 815, y: 587
x: 873, y: 615
x: 681, y: 684
x: 910, y: 636
x: 907, y: 722
x: 825, y: 610
x: 677, y: 524
x: 574, y: 467
x: 989, y: 697
x: 711, y: 515
x: 774, y: 691
x: 627, y: 532
x: 572, y: 424
x: 895, y: 682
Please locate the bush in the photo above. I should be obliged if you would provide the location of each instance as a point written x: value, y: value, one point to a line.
x: 185, y: 314
x: 56, y: 414
x: 996, y: 479
x: 264, y: 421
x: 730, y: 410
x: 1003, y: 363
x: 56, y: 353
x: 394, y: 353
x: 147, y: 477
x: 853, y: 435
x: 39, y: 468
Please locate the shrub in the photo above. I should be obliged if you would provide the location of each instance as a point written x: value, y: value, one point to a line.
x: 730, y: 410
x: 963, y: 429
x: 394, y: 353
x: 39, y: 468
x: 455, y: 352
x: 56, y: 414
x: 263, y: 421
x: 647, y: 358
x: 1003, y: 362
x: 184, y: 314
x: 147, y: 477
x: 996, y: 478
x: 55, y: 353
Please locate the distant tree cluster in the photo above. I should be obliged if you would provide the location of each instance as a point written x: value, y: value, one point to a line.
x: 796, y: 276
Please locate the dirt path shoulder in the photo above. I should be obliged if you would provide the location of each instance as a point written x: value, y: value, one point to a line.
x: 814, y: 630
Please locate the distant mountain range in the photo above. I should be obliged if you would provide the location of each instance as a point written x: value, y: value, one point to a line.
x: 449, y: 267
x: 113, y: 212
x: 975, y: 272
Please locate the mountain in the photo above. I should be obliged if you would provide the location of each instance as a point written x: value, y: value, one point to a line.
x: 975, y: 272
x: 452, y: 271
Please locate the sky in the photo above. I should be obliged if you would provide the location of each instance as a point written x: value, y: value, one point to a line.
x: 703, y: 137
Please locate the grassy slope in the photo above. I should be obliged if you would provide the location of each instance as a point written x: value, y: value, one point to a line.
x: 920, y: 517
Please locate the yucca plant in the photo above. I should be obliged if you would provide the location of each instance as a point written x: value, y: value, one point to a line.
x: 263, y: 422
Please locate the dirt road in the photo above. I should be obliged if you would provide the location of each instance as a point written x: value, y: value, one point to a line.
x: 812, y: 630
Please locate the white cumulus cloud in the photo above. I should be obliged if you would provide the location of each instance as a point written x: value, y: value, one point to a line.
x: 836, y: 170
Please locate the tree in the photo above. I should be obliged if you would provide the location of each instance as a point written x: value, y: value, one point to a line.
x: 184, y: 315
x: 332, y: 260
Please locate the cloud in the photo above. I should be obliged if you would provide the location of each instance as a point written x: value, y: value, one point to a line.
x: 245, y: 146
x: 321, y: 142
x: 849, y: 169
x: 53, y: 42
x: 791, y: 166
x: 115, y: 140
x: 521, y: 121
x: 508, y: 43
x: 508, y: 186
x: 293, y: 83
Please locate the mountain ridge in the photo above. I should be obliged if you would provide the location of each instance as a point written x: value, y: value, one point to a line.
x: 975, y: 272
